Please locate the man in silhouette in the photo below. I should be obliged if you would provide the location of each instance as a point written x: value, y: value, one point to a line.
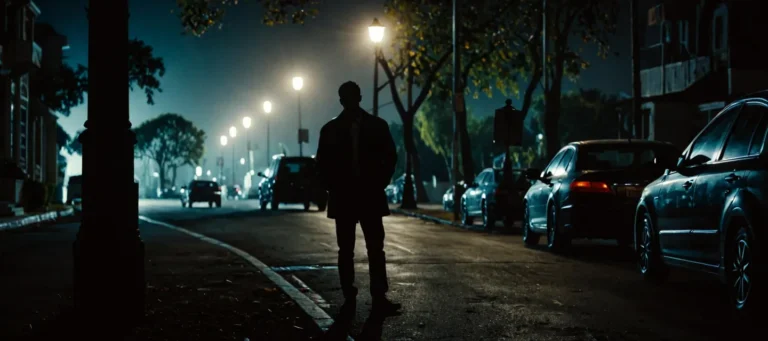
x: 356, y: 159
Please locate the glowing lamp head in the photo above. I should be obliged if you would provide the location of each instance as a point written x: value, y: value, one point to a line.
x: 298, y: 83
x: 242, y: 160
x: 376, y: 31
x: 232, y: 131
x: 267, y: 107
x: 223, y: 140
x: 198, y: 171
x: 246, y: 122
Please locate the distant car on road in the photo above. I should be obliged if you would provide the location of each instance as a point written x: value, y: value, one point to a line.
x: 291, y: 180
x: 590, y: 189
x: 234, y: 192
x: 201, y: 191
x: 708, y: 211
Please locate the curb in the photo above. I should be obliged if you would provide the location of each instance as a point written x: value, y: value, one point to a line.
x: 429, y: 218
x: 36, y: 219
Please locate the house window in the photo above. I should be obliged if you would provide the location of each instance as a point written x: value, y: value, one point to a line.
x: 684, y: 35
x: 718, y: 34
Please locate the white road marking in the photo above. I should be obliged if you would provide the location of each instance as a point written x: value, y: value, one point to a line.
x: 321, y: 318
x: 400, y: 247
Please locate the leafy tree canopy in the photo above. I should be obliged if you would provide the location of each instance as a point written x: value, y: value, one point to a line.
x: 199, y: 16
x: 171, y: 141
x: 586, y: 114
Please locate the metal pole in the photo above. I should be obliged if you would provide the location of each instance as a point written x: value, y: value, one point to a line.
x: 268, y: 156
x: 301, y: 147
x: 544, y: 49
x: 456, y: 94
x: 376, y: 82
x: 233, y: 164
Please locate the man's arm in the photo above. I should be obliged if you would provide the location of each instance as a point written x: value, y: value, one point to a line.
x: 389, y: 156
x: 320, y: 159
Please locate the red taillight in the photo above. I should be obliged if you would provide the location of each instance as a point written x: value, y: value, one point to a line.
x: 590, y: 187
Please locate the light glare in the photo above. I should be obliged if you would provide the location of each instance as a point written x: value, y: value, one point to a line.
x: 223, y: 140
x: 246, y: 122
x: 267, y: 107
x: 376, y: 31
x: 232, y: 131
x: 298, y: 83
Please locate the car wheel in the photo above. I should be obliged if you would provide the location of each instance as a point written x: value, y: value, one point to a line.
x: 488, y: 219
x: 744, y: 273
x: 263, y: 204
x: 530, y: 238
x: 218, y: 203
x: 183, y: 204
x: 210, y: 204
x: 189, y: 204
x: 649, y: 252
x: 306, y: 205
x: 556, y: 239
x: 275, y: 204
x: 466, y: 219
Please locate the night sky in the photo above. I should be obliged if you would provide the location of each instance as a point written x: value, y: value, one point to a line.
x: 217, y: 79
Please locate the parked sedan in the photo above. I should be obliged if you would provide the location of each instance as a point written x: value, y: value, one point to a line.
x: 489, y: 198
x: 708, y: 212
x: 590, y: 189
x: 201, y: 191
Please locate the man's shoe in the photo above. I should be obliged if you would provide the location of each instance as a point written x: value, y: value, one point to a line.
x: 385, y: 306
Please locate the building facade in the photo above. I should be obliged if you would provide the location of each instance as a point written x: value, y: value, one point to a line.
x: 696, y: 60
x: 27, y: 127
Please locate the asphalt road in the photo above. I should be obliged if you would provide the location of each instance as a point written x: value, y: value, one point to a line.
x: 467, y: 285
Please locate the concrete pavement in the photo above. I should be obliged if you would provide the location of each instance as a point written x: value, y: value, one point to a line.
x: 464, y: 285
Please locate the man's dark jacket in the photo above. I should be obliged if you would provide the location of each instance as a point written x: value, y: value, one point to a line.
x: 351, y: 196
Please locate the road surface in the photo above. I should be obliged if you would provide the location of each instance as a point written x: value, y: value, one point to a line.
x: 466, y: 285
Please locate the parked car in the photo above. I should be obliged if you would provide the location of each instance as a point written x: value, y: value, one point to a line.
x: 201, y: 191
x: 291, y: 180
x: 590, y: 189
x: 234, y: 192
x: 399, y: 184
x: 391, y: 192
x: 492, y: 200
x: 708, y: 211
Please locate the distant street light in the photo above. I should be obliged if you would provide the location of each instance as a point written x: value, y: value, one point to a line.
x: 540, y: 137
x: 247, y: 124
x: 242, y: 160
x: 208, y: 173
x: 223, y: 140
x: 156, y: 174
x: 376, y: 32
x: 232, y: 132
x: 298, y: 84
x: 198, y: 171
x: 267, y: 111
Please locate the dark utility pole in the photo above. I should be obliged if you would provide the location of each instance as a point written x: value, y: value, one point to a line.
x: 637, y: 111
x: 376, y: 81
x: 109, y: 285
x: 457, y: 108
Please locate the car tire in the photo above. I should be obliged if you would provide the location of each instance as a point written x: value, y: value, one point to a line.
x: 210, y: 204
x: 274, y: 204
x: 489, y: 220
x: 263, y: 204
x: 557, y: 241
x: 306, y: 205
x: 466, y: 219
x: 183, y: 204
x: 530, y: 238
x: 745, y: 274
x: 189, y: 204
x: 648, y: 249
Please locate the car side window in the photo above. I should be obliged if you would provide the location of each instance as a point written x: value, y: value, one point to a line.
x: 758, y: 138
x: 553, y: 164
x: 738, y: 142
x: 708, y: 142
x: 563, y: 165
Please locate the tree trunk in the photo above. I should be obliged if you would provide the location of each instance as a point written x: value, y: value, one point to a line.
x: 467, y: 164
x: 173, y: 176
x: 447, y: 161
x: 409, y: 201
x: 161, y: 176
x: 421, y: 191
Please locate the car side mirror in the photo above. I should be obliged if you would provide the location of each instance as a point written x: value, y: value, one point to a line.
x: 261, y: 174
x: 532, y: 174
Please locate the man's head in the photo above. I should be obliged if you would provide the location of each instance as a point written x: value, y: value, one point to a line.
x: 349, y: 95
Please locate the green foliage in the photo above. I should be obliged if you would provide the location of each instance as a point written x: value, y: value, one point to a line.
x: 584, y: 115
x: 481, y: 135
x: 434, y: 123
x: 66, y: 90
x: 199, y: 16
x: 171, y: 141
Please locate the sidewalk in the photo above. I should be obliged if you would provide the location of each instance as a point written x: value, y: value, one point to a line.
x: 195, y: 291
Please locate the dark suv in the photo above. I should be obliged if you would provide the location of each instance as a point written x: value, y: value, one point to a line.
x: 201, y: 191
x: 291, y: 180
x: 708, y: 212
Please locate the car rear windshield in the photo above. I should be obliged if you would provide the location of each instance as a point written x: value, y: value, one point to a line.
x: 626, y: 156
x: 204, y: 184
x: 297, y: 166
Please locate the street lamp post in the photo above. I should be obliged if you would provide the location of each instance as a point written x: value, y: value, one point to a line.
x: 233, y: 134
x: 223, y: 141
x: 298, y: 83
x: 376, y: 32
x: 267, y: 111
x: 247, y: 124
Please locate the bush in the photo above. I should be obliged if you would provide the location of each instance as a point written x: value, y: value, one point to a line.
x: 34, y: 195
